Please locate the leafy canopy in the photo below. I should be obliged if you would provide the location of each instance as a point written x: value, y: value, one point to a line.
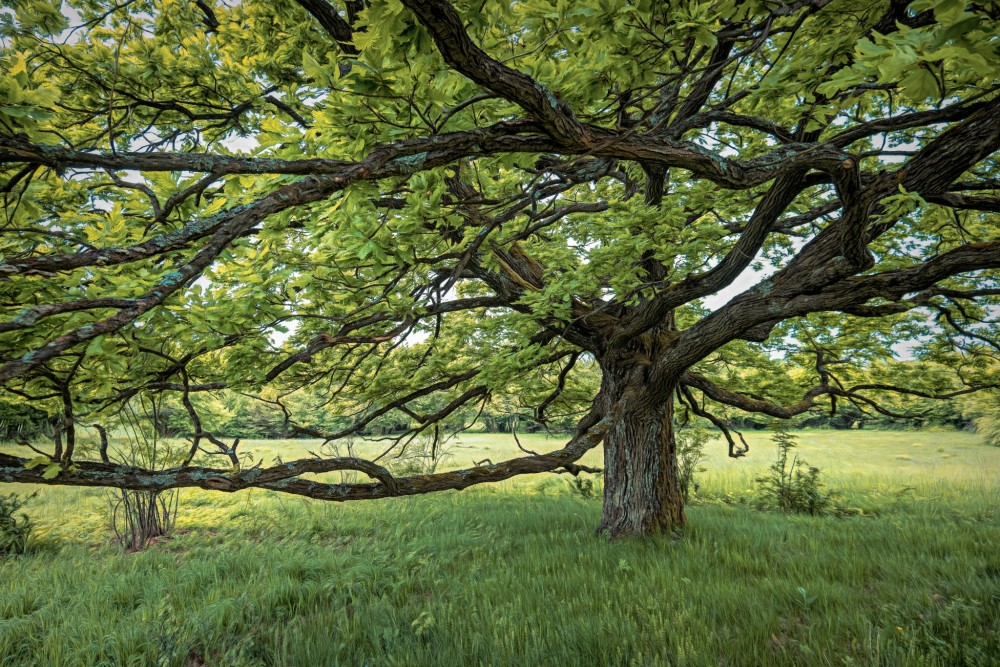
x: 410, y: 210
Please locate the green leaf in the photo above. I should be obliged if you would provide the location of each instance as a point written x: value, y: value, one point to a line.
x: 949, y: 11
x: 920, y: 84
x: 367, y: 249
x: 705, y: 37
x: 310, y: 66
x: 19, y: 66
x: 37, y: 461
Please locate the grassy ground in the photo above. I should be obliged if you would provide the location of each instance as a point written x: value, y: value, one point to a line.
x: 514, y: 575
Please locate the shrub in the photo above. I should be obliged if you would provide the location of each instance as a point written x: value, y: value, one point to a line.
x: 584, y: 487
x: 989, y: 427
x: 15, y: 529
x: 340, y: 449
x: 137, y: 518
x: 690, y: 454
x: 421, y: 456
x: 791, y: 484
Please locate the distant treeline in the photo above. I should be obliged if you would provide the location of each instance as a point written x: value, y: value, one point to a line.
x: 944, y: 415
x: 19, y: 421
x: 235, y: 415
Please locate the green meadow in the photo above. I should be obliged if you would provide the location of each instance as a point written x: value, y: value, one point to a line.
x: 906, y: 573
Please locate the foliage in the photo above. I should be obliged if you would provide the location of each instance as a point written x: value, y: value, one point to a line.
x: 14, y: 529
x: 984, y: 411
x: 792, y: 485
x: 19, y: 421
x: 330, y: 219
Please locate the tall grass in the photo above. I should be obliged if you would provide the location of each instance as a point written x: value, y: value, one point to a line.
x: 514, y: 575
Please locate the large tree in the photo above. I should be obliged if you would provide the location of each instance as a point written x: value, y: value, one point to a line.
x: 406, y: 208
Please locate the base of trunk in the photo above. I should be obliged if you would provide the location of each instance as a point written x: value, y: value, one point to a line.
x: 642, y: 493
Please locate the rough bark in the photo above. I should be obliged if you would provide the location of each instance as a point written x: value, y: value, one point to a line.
x: 642, y: 493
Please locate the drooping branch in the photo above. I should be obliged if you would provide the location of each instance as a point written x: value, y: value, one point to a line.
x: 751, y: 403
x: 780, y: 298
x: 284, y: 478
x: 400, y: 402
x: 735, y: 451
x: 560, y: 385
x: 754, y: 404
x: 324, y: 341
x: 949, y: 317
x: 402, y: 325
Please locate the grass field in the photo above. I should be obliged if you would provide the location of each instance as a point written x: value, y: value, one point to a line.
x: 514, y: 575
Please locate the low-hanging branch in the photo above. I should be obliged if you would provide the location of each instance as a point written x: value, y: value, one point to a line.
x: 285, y: 477
x: 752, y: 404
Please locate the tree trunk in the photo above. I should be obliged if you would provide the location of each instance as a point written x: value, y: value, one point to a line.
x: 642, y: 493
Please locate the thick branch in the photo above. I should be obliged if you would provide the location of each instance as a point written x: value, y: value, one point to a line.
x: 332, y: 22
x: 955, y: 151
x: 750, y: 403
x: 461, y: 53
x: 771, y: 302
x: 278, y: 478
x: 966, y: 202
x: 496, y: 138
x: 771, y: 206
